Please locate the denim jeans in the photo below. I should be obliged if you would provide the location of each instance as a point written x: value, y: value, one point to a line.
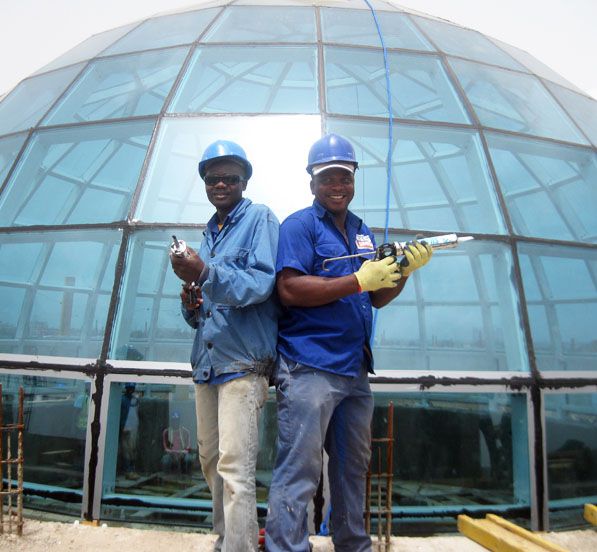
x: 227, y: 435
x: 318, y: 409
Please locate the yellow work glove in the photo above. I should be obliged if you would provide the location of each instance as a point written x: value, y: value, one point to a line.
x: 374, y: 275
x: 416, y: 255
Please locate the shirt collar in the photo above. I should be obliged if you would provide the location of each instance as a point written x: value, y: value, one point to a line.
x: 213, y: 222
x: 351, y: 218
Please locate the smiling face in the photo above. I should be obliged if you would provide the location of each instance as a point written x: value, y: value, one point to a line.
x: 334, y: 189
x: 224, y: 196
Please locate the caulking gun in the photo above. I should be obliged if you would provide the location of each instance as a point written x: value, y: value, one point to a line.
x: 178, y: 248
x: 395, y: 249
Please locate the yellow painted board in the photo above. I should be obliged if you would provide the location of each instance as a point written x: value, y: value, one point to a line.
x: 547, y: 545
x: 498, y: 538
x: 591, y: 513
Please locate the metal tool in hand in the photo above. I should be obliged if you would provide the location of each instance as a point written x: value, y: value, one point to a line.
x: 178, y: 248
x: 395, y: 249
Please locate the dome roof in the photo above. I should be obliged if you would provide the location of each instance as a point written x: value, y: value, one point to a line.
x: 105, y: 139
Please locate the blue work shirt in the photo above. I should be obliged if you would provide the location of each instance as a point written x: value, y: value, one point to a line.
x: 333, y: 337
x: 237, y: 321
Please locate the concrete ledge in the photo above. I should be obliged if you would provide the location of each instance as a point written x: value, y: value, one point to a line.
x: 590, y: 513
x: 499, y: 535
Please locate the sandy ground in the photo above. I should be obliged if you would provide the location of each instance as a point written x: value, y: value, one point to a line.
x: 42, y: 536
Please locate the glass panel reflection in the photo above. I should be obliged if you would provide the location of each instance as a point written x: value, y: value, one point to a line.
x: 454, y: 450
x: 55, y: 417
x: 32, y: 98
x: 356, y: 85
x: 562, y: 311
x: 582, y: 109
x: 549, y: 189
x: 466, y: 43
x: 9, y: 149
x: 120, y: 87
x: 160, y: 32
x: 533, y: 64
x: 265, y: 24
x: 173, y: 191
x: 440, y: 178
x: 257, y: 79
x: 55, y: 290
x: 570, y: 421
x: 151, y: 468
x: 149, y: 324
x: 90, y: 47
x: 358, y: 27
x: 77, y: 175
x: 513, y: 101
x: 460, y: 313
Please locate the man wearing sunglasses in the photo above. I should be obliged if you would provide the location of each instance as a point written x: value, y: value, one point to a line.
x: 231, y: 306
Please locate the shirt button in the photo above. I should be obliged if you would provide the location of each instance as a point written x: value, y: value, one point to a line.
x: 212, y: 254
x: 210, y: 345
x: 208, y: 314
x: 205, y: 373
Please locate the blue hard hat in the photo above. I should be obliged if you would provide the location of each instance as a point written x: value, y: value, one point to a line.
x: 332, y: 147
x: 222, y: 150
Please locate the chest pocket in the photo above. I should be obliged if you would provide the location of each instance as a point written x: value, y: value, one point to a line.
x: 237, y: 258
x: 325, y: 251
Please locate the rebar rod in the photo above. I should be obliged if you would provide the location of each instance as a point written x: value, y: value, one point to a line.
x: 9, y: 477
x: 379, y: 517
x: 389, y: 475
x: 13, y: 517
x: 1, y: 464
x: 21, y: 460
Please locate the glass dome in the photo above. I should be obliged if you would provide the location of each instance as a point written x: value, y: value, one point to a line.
x: 489, y: 355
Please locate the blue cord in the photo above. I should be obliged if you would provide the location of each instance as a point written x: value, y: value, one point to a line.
x: 390, y: 141
x: 390, y: 120
x: 324, y: 530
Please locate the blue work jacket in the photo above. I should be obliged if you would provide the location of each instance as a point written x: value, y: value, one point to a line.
x: 238, y: 321
x: 333, y: 337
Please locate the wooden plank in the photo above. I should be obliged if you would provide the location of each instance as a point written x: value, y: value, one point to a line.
x: 499, y: 535
x: 590, y: 513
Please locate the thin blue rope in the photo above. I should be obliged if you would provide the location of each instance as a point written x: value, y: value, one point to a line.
x: 390, y: 120
x: 390, y: 141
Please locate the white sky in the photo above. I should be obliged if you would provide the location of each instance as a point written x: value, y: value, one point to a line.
x: 560, y: 33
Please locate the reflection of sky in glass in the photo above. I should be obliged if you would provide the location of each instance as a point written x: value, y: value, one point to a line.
x: 30, y: 100
x: 514, y: 101
x: 173, y: 191
x: 117, y: 87
x: 81, y: 175
x: 60, y: 291
x: 152, y: 323
x: 440, y: 178
x: 266, y: 24
x: 548, y: 188
x: 460, y: 313
x: 562, y: 311
x: 358, y: 27
x: 169, y: 30
x: 9, y: 148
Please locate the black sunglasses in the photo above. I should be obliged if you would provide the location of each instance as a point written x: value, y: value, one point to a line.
x: 227, y: 179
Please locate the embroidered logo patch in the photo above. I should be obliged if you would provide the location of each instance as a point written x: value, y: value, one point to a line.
x: 363, y: 241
